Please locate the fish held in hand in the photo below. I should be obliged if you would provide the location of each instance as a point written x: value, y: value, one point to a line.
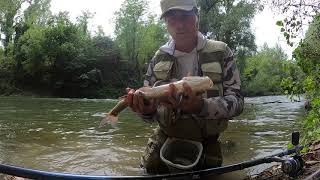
x: 198, y: 85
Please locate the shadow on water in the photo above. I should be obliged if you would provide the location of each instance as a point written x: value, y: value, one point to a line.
x: 62, y: 135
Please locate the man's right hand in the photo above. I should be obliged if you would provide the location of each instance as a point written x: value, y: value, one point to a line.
x: 139, y: 104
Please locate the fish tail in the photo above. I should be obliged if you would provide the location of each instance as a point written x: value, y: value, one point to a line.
x: 109, y: 119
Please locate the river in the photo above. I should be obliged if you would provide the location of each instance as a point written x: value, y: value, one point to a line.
x: 63, y: 135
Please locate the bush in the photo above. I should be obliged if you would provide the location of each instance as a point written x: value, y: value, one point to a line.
x: 264, y: 71
x: 307, y: 56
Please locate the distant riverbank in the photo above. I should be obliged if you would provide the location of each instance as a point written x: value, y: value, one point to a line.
x: 47, y: 93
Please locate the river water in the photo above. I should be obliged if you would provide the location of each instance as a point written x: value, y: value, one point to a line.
x: 63, y: 135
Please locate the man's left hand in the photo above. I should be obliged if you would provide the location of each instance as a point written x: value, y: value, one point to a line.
x: 188, y: 101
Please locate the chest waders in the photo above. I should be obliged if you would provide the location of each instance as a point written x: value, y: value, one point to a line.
x: 189, y: 126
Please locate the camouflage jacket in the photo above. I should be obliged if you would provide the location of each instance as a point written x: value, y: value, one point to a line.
x: 222, y: 107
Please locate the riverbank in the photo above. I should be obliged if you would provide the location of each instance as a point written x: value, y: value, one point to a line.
x: 47, y: 94
x: 312, y: 165
x: 25, y: 92
x: 102, y: 93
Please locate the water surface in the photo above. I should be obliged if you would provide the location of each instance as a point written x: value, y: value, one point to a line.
x: 62, y: 135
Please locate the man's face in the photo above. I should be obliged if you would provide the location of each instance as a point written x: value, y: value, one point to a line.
x: 182, y: 25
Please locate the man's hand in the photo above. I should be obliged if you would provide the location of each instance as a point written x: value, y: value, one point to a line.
x: 188, y: 102
x: 139, y: 104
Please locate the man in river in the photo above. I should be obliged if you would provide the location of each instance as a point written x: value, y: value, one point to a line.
x: 188, y: 116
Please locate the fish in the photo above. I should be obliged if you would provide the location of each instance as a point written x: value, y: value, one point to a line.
x: 198, y: 84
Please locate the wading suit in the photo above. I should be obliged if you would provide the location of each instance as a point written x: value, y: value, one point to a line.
x: 223, y: 101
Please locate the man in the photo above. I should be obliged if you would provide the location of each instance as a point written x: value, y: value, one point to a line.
x: 188, y: 116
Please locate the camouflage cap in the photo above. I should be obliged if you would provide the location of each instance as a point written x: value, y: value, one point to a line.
x: 186, y: 5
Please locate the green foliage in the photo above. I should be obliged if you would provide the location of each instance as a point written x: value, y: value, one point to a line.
x: 297, y: 14
x: 13, y: 20
x: 137, y: 36
x: 8, y: 10
x: 50, y: 52
x: 229, y: 21
x: 279, y: 23
x: 63, y: 58
x: 291, y: 83
x: 312, y: 122
x: 127, y: 23
x: 103, y: 48
x: 65, y: 46
x: 1, y: 54
x: 151, y: 38
x: 83, y: 21
x: 30, y: 51
x: 307, y: 56
x: 37, y: 13
x: 264, y: 72
x: 6, y: 75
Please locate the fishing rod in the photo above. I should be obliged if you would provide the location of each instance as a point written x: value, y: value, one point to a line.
x: 314, y: 176
x: 291, y: 166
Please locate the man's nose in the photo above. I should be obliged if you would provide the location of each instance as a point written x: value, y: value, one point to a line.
x: 180, y: 24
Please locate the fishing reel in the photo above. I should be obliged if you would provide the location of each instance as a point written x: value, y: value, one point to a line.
x: 293, y: 166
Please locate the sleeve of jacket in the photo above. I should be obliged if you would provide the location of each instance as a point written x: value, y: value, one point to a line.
x: 149, y: 80
x: 231, y: 104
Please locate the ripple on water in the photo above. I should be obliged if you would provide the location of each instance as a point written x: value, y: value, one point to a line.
x: 127, y: 150
x: 269, y: 133
x: 36, y: 130
x: 99, y: 114
x: 71, y: 142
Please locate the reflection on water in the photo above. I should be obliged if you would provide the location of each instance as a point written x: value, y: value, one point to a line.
x: 62, y: 135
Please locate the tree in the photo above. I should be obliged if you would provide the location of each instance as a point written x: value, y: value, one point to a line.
x: 229, y: 21
x: 8, y: 11
x: 127, y: 25
x: 37, y: 13
x: 14, y: 22
x: 83, y: 20
x: 307, y: 56
x: 137, y: 35
x: 152, y: 36
x: 35, y: 16
x: 264, y: 71
x: 32, y: 57
x: 297, y: 14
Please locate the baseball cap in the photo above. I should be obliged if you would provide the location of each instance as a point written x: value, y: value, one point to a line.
x: 167, y: 5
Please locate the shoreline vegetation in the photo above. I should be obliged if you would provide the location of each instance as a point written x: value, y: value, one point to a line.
x: 49, y: 53
x: 49, y: 94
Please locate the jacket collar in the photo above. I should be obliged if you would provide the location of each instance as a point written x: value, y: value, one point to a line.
x: 169, y: 47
